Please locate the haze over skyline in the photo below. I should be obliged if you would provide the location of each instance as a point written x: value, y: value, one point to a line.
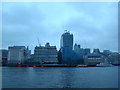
x: 93, y: 24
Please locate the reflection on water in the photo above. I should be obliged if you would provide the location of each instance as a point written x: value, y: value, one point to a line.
x: 60, y: 77
x: 67, y: 77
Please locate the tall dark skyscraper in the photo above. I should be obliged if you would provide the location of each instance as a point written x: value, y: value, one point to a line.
x: 67, y: 47
x: 67, y: 40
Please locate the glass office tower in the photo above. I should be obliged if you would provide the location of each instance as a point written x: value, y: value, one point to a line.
x: 66, y: 47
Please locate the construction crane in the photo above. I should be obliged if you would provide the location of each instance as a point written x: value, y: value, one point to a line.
x: 38, y: 41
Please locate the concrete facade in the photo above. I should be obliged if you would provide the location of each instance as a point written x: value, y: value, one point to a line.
x: 114, y: 58
x: 45, y: 54
x: 3, y: 56
x: 93, y: 59
x: 18, y: 54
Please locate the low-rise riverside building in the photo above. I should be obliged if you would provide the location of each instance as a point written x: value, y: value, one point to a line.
x: 3, y: 56
x: 45, y: 54
x: 18, y: 54
x: 93, y: 59
x: 81, y: 52
x: 114, y: 58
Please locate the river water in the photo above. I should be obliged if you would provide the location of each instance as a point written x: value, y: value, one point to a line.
x: 60, y: 77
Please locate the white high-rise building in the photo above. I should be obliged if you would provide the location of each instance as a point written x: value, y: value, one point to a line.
x: 18, y: 54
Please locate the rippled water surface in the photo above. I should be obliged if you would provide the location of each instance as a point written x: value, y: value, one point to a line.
x: 60, y: 77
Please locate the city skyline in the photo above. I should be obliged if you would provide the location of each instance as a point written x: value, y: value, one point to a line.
x: 94, y: 25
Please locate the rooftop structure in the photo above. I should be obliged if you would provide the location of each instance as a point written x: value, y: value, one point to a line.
x: 96, y: 51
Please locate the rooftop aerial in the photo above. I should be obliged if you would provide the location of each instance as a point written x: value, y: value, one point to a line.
x: 67, y: 32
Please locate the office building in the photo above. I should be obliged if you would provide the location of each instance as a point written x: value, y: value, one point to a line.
x: 93, y: 59
x: 45, y: 54
x: 80, y: 51
x: 67, y: 40
x: 18, y: 54
x: 3, y: 56
x: 66, y: 47
x: 87, y: 51
x: 106, y: 52
x: 114, y: 58
x: 96, y: 51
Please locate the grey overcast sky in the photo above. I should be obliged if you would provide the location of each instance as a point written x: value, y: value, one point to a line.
x: 93, y: 24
